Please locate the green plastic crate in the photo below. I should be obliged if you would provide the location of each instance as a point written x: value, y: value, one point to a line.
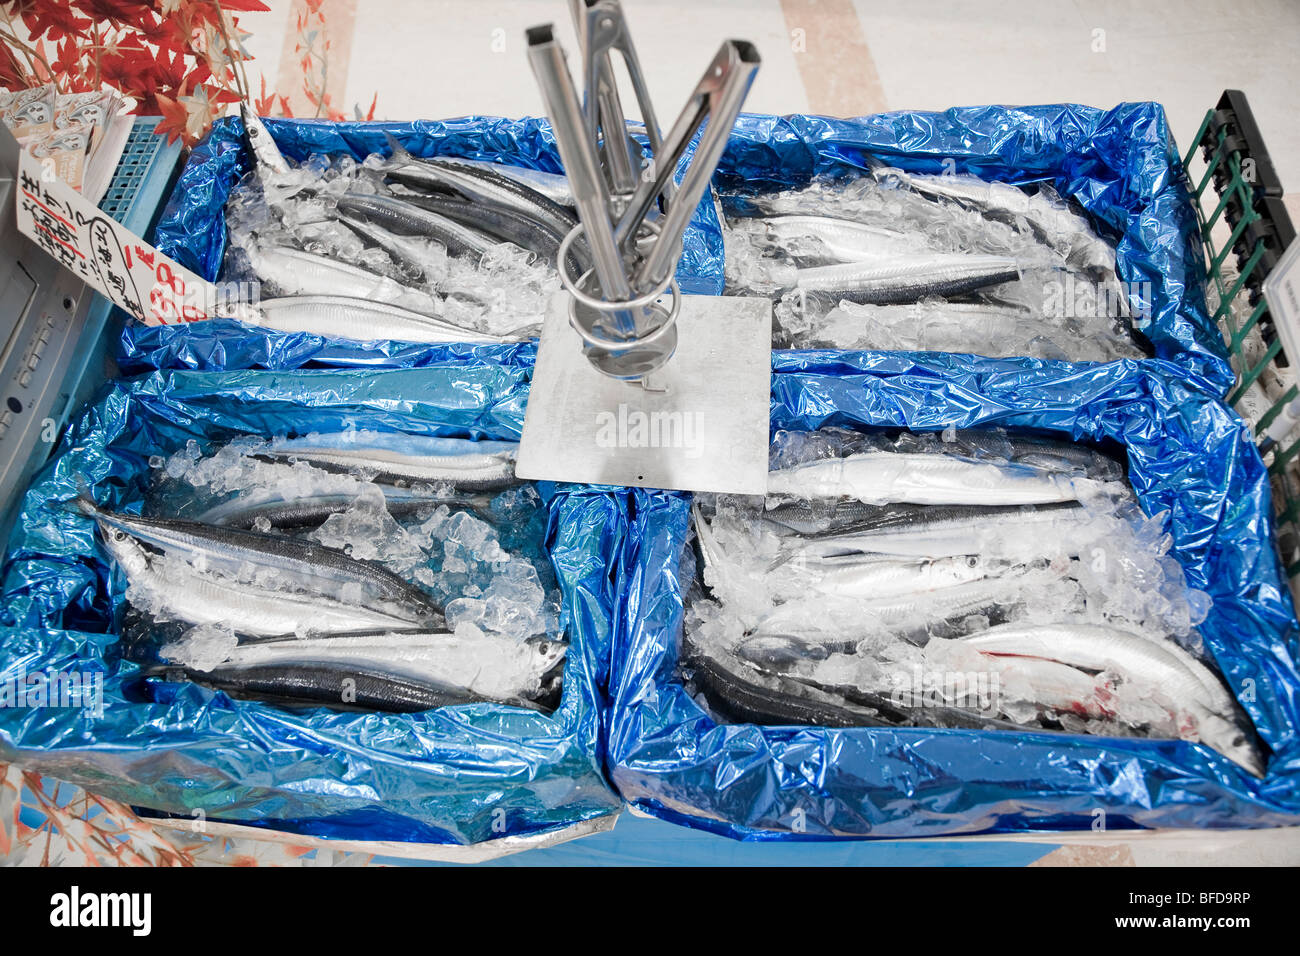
x: 1245, y: 228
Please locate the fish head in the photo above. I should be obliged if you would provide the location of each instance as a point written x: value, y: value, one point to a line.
x: 124, y: 549
x: 779, y: 650
x: 1229, y: 739
x: 547, y: 654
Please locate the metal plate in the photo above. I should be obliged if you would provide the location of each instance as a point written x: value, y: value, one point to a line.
x: 700, y: 425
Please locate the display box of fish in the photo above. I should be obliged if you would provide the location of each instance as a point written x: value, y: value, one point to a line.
x: 314, y: 601
x: 382, y: 233
x: 981, y: 595
x: 1060, y: 232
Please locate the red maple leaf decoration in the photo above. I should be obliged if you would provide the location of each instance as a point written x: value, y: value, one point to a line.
x: 180, y: 59
x: 11, y: 71
x: 115, y: 11
x: 54, y: 21
x: 174, y: 118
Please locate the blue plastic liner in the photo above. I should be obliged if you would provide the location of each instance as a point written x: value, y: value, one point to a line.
x: 460, y: 774
x: 1189, y: 457
x: 1121, y: 165
x: 222, y: 344
x: 192, y: 229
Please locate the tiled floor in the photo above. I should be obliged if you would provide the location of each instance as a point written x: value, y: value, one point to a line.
x: 453, y: 57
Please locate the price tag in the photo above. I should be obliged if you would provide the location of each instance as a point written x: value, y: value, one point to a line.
x: 1282, y: 290
x: 104, y: 254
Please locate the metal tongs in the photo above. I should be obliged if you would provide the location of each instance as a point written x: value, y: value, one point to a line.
x: 616, y: 309
x: 601, y: 29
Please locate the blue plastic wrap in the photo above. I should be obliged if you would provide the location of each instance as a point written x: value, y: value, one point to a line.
x: 192, y: 229
x: 1188, y: 456
x: 460, y: 774
x: 225, y: 344
x: 1121, y: 165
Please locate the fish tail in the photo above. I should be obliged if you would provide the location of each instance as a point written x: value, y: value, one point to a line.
x: 83, y: 504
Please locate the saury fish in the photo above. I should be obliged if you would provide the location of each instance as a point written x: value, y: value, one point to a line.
x: 1069, y: 234
x: 1162, y: 665
x: 403, y: 250
x: 486, y: 665
x: 198, y: 598
x: 938, y: 604
x: 876, y: 579
x: 314, y: 565
x: 554, y: 186
x: 359, y: 319
x: 476, y: 182
x: 918, y: 478
x: 908, y: 280
x: 504, y: 224
x: 327, y: 684
x: 400, y: 216
x: 846, y: 240
x: 301, y: 273
x: 390, y: 458
x: 243, y: 512
x: 931, y: 531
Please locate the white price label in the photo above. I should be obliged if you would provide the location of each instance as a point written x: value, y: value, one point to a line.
x: 104, y: 254
x: 1282, y: 290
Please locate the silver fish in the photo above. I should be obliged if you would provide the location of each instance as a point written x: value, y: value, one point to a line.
x: 1069, y: 234
x: 908, y: 280
x: 1161, y: 665
x: 877, y: 579
x: 300, y: 273
x: 443, y: 174
x: 359, y: 319
x: 393, y: 458
x: 881, y: 477
x: 554, y: 186
x: 184, y: 594
x: 846, y: 240
x: 489, y: 666
x: 934, y: 531
x: 404, y: 218
x: 312, y: 566
x: 245, y: 512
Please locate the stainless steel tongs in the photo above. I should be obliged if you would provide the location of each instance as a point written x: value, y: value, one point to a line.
x: 615, y: 307
x: 602, y: 29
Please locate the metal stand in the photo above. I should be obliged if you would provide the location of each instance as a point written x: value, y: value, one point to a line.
x: 701, y: 424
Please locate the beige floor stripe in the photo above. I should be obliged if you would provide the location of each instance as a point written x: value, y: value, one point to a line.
x: 839, y: 75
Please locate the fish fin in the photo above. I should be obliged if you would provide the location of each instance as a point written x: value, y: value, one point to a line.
x: 400, y: 154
